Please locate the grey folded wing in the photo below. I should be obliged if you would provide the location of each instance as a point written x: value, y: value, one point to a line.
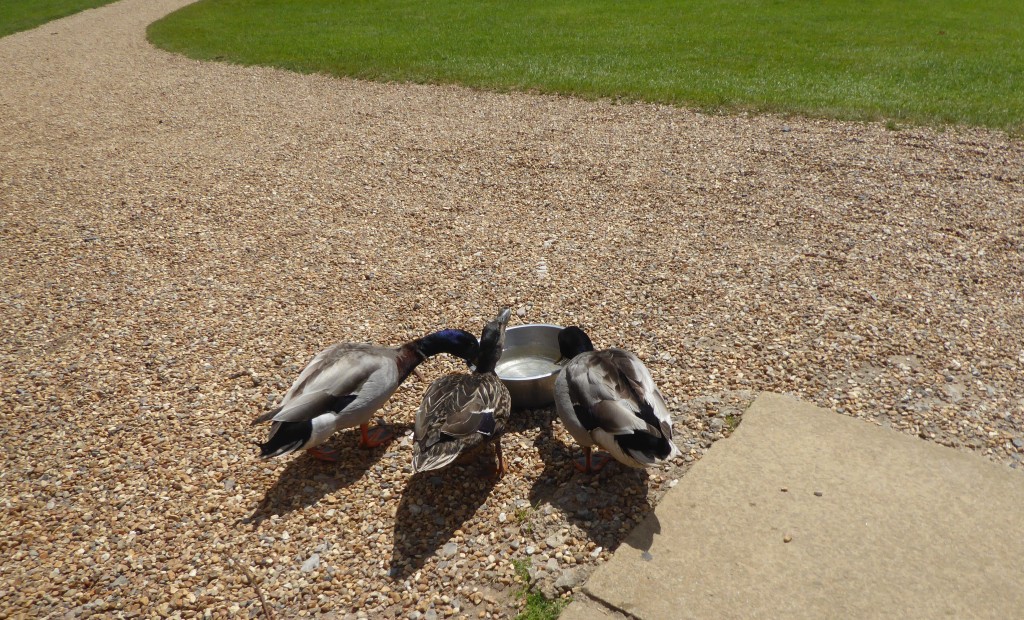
x: 613, y: 390
x: 333, y: 381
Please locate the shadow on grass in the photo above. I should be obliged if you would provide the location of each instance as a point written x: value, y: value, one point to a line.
x: 434, y: 504
x: 306, y: 480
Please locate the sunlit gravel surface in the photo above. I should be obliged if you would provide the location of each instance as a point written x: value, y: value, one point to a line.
x: 179, y: 239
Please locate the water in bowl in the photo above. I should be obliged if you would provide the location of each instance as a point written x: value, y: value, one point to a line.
x: 525, y: 364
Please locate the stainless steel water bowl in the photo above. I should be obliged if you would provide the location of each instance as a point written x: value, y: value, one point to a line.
x: 527, y: 366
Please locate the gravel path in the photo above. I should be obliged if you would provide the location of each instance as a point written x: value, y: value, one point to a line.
x: 178, y: 239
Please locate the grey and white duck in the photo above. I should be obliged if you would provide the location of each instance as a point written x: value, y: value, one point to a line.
x: 608, y: 399
x: 462, y: 412
x: 345, y: 385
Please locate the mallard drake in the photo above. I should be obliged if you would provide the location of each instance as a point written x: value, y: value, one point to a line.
x: 608, y: 398
x: 461, y: 412
x: 344, y: 385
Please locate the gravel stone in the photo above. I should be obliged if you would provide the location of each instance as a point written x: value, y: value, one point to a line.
x: 568, y: 579
x: 311, y: 564
x: 181, y: 237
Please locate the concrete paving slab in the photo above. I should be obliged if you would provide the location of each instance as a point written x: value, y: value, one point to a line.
x: 585, y: 609
x: 805, y: 513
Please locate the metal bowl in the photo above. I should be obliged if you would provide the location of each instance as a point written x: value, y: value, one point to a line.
x: 527, y: 366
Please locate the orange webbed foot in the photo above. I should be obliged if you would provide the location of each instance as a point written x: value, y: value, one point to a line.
x: 591, y: 462
x: 375, y: 437
x: 324, y: 454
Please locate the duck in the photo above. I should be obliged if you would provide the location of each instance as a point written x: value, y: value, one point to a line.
x: 344, y: 385
x: 461, y: 412
x: 608, y: 399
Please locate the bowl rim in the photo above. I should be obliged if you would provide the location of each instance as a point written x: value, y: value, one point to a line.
x: 546, y: 375
x: 512, y: 327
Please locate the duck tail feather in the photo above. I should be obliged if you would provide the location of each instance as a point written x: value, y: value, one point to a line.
x: 428, y: 462
x: 288, y: 437
x: 646, y: 448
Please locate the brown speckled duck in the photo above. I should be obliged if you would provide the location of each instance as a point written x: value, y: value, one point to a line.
x: 462, y: 412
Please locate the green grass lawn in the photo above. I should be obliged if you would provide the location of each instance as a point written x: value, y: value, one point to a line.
x: 18, y: 15
x: 919, y: 61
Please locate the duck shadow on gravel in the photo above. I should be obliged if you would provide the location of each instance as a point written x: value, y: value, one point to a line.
x: 434, y: 504
x: 526, y: 419
x: 306, y: 480
x: 607, y: 505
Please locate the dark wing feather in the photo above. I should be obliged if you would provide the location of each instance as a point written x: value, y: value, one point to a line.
x: 652, y: 407
x: 617, y: 394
